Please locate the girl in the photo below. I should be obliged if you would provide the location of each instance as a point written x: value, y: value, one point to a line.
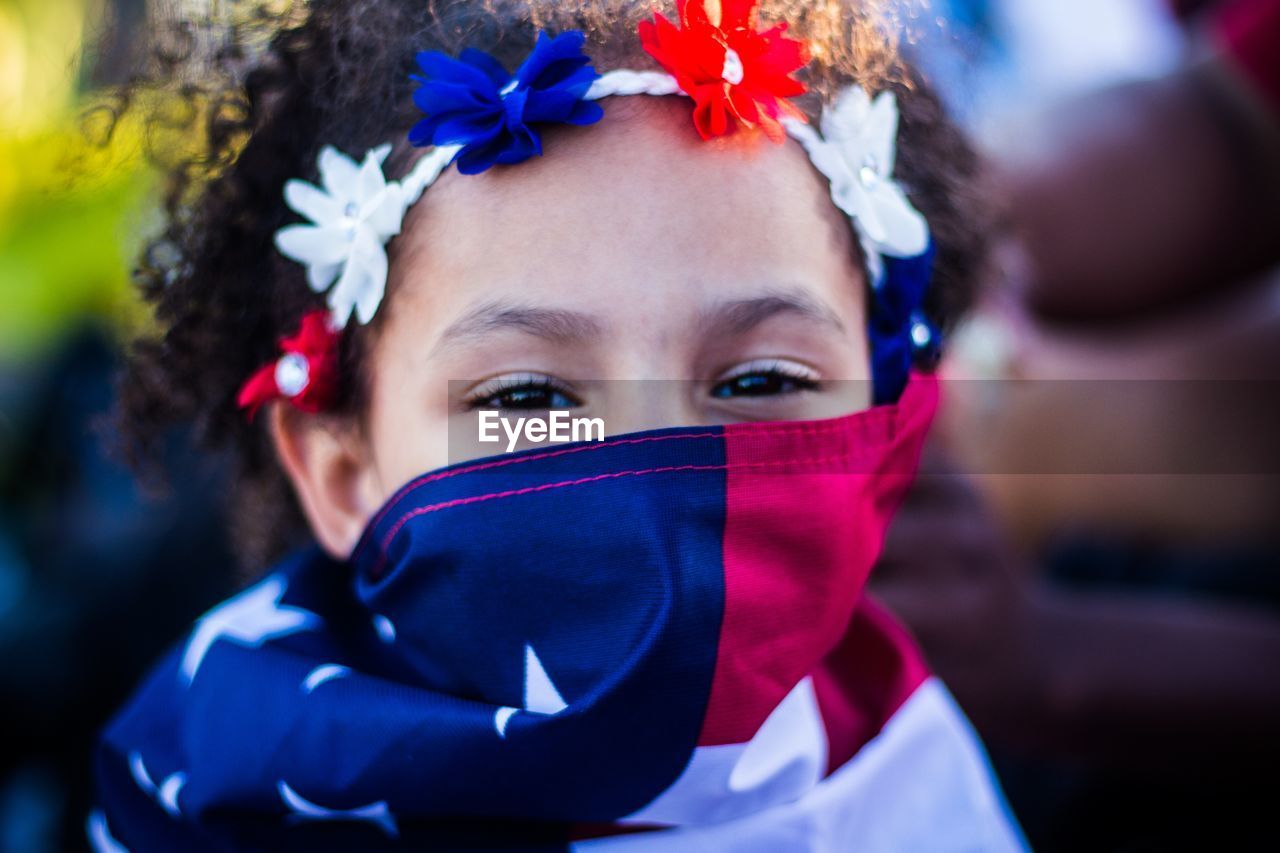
x: 443, y: 209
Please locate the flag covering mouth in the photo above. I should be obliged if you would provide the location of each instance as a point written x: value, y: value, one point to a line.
x: 657, y: 639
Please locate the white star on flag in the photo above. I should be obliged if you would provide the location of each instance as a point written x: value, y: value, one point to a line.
x: 540, y: 693
x: 249, y: 619
x: 166, y: 793
x: 379, y: 813
x: 324, y: 672
x: 100, y: 838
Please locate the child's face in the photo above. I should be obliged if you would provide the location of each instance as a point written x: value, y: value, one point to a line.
x: 632, y: 251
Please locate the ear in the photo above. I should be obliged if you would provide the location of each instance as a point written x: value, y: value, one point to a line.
x: 327, y: 460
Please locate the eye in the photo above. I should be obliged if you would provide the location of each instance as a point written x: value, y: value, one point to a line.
x: 765, y: 379
x: 524, y: 391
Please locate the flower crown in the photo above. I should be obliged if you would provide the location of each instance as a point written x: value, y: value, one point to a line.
x: 477, y: 114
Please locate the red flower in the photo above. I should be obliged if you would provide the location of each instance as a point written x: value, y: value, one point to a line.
x: 728, y: 67
x: 306, y: 374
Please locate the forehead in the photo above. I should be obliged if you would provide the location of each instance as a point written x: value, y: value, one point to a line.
x: 634, y: 212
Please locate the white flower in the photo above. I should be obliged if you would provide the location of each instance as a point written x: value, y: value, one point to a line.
x: 856, y: 154
x: 352, y: 218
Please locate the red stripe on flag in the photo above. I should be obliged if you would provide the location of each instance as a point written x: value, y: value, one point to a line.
x: 791, y: 588
x: 865, y: 680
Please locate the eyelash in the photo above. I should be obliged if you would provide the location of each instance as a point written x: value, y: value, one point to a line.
x: 792, y: 378
x: 491, y: 395
x: 539, y: 392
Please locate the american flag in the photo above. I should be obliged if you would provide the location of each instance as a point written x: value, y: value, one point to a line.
x: 658, y: 641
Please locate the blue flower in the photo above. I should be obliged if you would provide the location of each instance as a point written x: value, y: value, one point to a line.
x: 897, y: 329
x: 473, y: 102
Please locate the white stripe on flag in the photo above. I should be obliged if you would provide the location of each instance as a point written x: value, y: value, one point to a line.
x: 785, y: 759
x: 923, y: 783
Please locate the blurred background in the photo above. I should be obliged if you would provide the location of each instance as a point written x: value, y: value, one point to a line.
x: 1091, y: 559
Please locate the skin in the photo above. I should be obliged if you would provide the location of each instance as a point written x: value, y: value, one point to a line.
x: 1147, y: 197
x: 1144, y: 201
x: 631, y: 251
x: 1099, y: 677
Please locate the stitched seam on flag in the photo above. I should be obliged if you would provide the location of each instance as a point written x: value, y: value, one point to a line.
x: 430, y: 478
x: 442, y: 475
x: 424, y: 510
x: 811, y: 429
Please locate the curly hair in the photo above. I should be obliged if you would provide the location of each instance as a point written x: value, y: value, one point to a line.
x: 272, y: 85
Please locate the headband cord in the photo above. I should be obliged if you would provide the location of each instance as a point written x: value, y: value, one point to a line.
x: 478, y: 115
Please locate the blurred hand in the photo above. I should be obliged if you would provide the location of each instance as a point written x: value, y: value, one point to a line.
x: 949, y: 573
x: 1129, y: 676
x: 1138, y: 198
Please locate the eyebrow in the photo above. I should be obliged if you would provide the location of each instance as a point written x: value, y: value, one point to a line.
x: 559, y: 325
x: 739, y: 316
x: 554, y: 324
